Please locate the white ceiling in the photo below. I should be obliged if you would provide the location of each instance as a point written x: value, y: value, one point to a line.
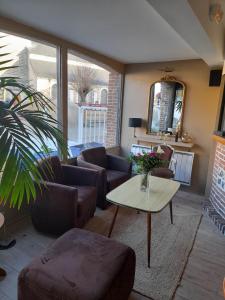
x: 130, y: 31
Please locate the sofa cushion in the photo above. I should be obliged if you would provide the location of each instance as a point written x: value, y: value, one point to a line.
x: 96, y: 156
x: 115, y: 178
x: 79, y: 265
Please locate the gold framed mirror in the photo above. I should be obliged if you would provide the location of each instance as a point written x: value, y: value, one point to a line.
x: 166, y: 106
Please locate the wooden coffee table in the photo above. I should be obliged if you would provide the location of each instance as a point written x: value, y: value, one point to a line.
x: 159, y: 195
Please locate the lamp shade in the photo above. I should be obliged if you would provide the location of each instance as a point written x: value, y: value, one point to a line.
x: 135, y: 122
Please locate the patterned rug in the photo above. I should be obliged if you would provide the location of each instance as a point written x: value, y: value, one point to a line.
x: 171, y: 244
x: 214, y: 216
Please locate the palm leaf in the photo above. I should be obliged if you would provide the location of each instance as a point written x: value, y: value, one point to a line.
x: 5, y: 61
x: 26, y: 125
x: 6, y: 68
x: 4, y: 54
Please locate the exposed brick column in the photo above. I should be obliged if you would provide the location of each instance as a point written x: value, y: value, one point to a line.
x: 217, y: 193
x: 113, y: 104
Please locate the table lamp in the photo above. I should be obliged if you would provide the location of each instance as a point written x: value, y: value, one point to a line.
x: 135, y: 122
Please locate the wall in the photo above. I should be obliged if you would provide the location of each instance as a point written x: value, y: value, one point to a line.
x: 199, y: 113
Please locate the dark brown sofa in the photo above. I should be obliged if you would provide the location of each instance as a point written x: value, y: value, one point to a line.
x: 114, y: 170
x: 80, y: 265
x: 67, y: 198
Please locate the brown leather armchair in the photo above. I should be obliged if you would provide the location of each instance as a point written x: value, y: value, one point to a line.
x: 114, y: 170
x: 67, y: 198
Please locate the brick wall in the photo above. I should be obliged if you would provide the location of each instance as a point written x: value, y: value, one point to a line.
x: 217, y: 192
x: 113, y: 104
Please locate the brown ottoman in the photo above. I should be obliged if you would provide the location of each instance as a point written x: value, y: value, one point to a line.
x: 80, y: 265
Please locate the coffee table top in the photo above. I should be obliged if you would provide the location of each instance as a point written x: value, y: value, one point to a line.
x: 159, y: 195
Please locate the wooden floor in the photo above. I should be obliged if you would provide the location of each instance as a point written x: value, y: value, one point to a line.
x: 202, y: 277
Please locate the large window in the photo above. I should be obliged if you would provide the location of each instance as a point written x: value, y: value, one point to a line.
x: 93, y: 98
x: 35, y: 65
x: 93, y: 105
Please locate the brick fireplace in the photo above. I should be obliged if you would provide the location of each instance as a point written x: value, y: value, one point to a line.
x: 215, y: 207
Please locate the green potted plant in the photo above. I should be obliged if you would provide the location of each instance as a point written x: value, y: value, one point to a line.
x: 26, y: 126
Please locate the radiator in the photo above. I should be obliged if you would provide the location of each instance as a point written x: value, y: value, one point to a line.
x: 182, y: 166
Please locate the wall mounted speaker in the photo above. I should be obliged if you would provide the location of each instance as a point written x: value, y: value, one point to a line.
x: 215, y: 77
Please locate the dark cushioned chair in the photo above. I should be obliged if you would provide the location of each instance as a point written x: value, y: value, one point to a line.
x: 80, y: 265
x: 164, y: 171
x: 67, y: 199
x: 114, y: 170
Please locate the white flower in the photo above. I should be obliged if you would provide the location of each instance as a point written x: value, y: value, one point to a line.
x: 159, y: 150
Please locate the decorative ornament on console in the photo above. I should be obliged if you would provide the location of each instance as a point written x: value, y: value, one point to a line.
x: 186, y: 138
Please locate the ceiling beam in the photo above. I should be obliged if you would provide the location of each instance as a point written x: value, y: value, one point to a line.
x: 180, y: 15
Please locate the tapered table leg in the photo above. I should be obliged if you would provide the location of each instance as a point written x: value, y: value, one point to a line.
x: 171, y: 212
x: 149, y: 232
x: 113, y: 221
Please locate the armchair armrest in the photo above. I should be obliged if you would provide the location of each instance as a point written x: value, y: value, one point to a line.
x: 101, y: 182
x: 119, y: 163
x: 57, y: 195
x: 85, y: 164
x: 55, y: 208
x: 81, y: 176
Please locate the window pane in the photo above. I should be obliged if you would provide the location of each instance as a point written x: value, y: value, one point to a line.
x: 93, y: 105
x: 36, y: 67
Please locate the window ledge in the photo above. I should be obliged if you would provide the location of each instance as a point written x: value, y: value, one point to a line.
x: 219, y: 139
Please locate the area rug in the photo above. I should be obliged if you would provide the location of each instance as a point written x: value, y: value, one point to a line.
x: 171, y: 244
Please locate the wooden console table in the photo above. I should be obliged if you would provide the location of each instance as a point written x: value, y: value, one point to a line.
x: 155, y: 140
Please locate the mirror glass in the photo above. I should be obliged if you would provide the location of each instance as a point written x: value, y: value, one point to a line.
x: 166, y: 104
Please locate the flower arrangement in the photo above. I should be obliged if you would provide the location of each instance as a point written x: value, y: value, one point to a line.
x: 145, y: 162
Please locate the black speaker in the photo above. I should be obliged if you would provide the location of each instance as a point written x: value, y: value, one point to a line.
x: 215, y: 77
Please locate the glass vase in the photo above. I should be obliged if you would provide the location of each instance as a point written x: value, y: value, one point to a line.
x: 144, y: 182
